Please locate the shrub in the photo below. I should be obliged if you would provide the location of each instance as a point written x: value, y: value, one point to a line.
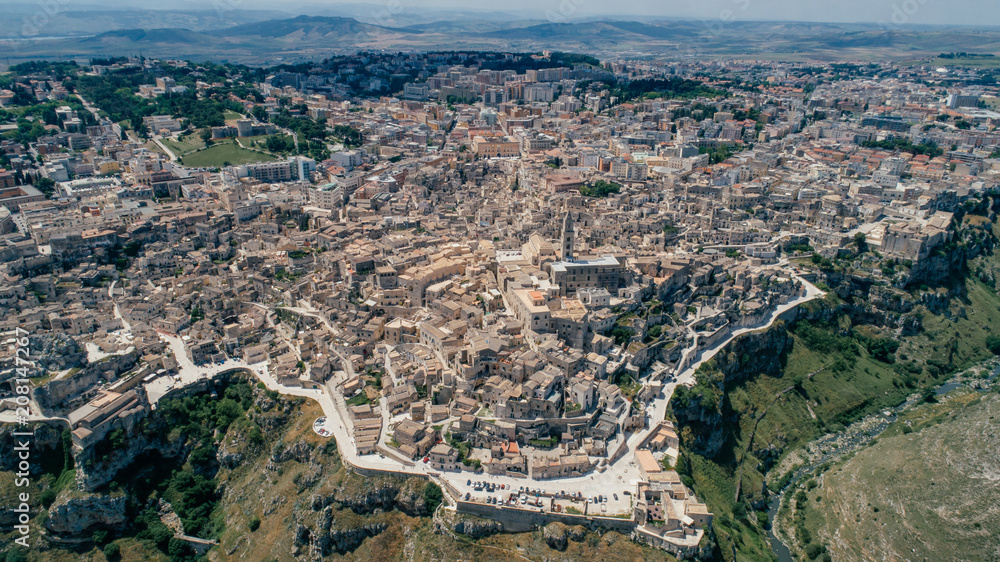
x: 813, y: 551
x: 432, y: 496
x: 804, y: 535
x: 993, y: 344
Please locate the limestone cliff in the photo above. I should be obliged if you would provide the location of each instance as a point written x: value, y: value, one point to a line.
x: 74, y: 512
x: 701, y: 411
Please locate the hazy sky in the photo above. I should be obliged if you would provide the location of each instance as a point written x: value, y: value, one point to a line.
x: 899, y: 12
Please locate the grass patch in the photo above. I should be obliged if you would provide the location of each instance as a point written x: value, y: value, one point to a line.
x: 834, y: 373
x: 359, y: 400
x: 184, y: 144
x: 898, y: 500
x: 218, y: 155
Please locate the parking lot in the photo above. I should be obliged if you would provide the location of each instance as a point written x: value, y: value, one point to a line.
x: 492, y: 492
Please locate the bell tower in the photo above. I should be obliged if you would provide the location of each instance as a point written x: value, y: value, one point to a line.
x: 568, y: 233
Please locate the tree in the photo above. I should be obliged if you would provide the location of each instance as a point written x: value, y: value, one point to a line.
x: 600, y: 189
x: 432, y: 496
x: 993, y: 344
x: 111, y: 551
x: 46, y: 185
x: 861, y: 241
x: 177, y: 548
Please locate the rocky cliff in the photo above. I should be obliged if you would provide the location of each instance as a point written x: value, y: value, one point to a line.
x: 75, y: 512
x: 701, y: 411
x: 326, y: 536
x: 377, y: 494
x: 45, y: 444
x: 93, y: 472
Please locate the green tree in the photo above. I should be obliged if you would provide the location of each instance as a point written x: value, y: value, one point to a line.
x: 432, y: 496
x: 993, y: 344
x: 46, y: 185
x: 861, y: 241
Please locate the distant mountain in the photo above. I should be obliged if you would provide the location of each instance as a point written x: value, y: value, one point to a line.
x: 241, y: 38
x: 471, y: 26
x: 83, y: 22
x: 566, y: 31
x: 166, y: 35
x: 310, y: 28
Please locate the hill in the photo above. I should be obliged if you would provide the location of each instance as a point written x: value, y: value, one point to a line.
x: 311, y: 28
x: 309, y: 38
x: 83, y: 22
x: 928, y: 486
x: 246, y: 469
x: 865, y: 347
x: 161, y: 35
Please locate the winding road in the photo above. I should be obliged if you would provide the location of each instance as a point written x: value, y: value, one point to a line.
x: 618, y: 476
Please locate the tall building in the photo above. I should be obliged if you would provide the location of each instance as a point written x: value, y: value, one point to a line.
x: 956, y: 101
x: 568, y: 233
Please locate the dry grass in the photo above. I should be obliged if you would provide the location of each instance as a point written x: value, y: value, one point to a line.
x: 920, y: 494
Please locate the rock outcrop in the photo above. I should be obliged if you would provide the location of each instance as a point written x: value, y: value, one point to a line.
x: 92, y: 473
x: 555, y: 536
x: 74, y: 513
x: 326, y: 537
x: 378, y: 494
x: 477, y: 528
x: 45, y: 440
x: 56, y: 351
x: 700, y: 411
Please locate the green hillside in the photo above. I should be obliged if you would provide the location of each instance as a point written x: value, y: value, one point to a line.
x: 772, y: 392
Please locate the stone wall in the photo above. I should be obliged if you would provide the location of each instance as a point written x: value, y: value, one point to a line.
x: 517, y: 520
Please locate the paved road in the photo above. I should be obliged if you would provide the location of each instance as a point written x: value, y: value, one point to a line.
x: 658, y: 407
x: 170, y: 153
x: 616, y: 477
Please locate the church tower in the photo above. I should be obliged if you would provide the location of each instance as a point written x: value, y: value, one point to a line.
x: 568, y: 234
